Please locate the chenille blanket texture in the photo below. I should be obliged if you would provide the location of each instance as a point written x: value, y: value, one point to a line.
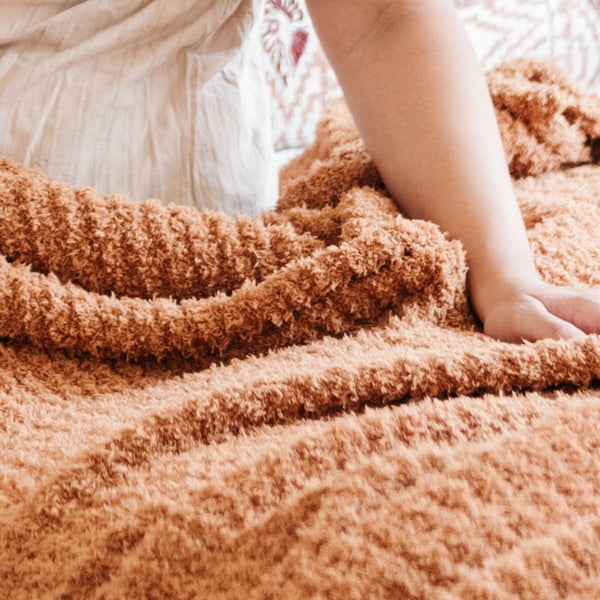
x: 300, y: 405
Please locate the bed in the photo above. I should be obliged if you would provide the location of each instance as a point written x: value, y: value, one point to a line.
x: 302, y: 404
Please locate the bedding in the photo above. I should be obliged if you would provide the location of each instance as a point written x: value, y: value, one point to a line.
x: 300, y: 404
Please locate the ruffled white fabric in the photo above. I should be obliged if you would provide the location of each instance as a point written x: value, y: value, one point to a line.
x: 152, y: 98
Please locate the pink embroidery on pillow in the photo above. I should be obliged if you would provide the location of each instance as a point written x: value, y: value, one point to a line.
x: 299, y: 44
x: 284, y: 35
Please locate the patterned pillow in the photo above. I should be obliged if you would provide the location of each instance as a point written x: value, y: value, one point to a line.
x: 301, y: 80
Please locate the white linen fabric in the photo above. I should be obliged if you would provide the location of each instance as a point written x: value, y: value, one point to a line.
x: 152, y: 98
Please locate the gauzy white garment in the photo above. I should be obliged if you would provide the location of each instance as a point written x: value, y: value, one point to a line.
x: 151, y: 98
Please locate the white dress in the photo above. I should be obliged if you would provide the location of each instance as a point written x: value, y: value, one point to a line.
x: 151, y: 98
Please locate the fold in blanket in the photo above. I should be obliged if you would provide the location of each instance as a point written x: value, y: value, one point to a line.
x: 113, y: 278
x: 159, y: 365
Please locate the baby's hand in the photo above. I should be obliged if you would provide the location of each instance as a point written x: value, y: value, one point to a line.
x: 545, y: 311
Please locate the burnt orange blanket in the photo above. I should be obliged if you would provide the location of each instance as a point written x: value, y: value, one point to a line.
x: 301, y: 405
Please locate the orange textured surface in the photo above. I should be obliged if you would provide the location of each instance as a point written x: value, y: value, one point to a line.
x: 301, y: 405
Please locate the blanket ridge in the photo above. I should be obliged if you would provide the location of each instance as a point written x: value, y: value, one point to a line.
x: 137, y: 279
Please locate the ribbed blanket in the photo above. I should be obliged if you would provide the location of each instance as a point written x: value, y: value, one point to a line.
x: 300, y: 405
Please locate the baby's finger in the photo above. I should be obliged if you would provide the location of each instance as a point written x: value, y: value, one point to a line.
x: 580, y: 307
x: 528, y: 319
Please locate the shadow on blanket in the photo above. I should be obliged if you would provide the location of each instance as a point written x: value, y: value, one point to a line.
x: 160, y: 368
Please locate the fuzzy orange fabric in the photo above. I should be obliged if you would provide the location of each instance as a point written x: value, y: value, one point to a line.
x: 301, y: 405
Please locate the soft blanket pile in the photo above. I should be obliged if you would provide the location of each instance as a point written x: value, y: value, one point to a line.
x: 301, y: 405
